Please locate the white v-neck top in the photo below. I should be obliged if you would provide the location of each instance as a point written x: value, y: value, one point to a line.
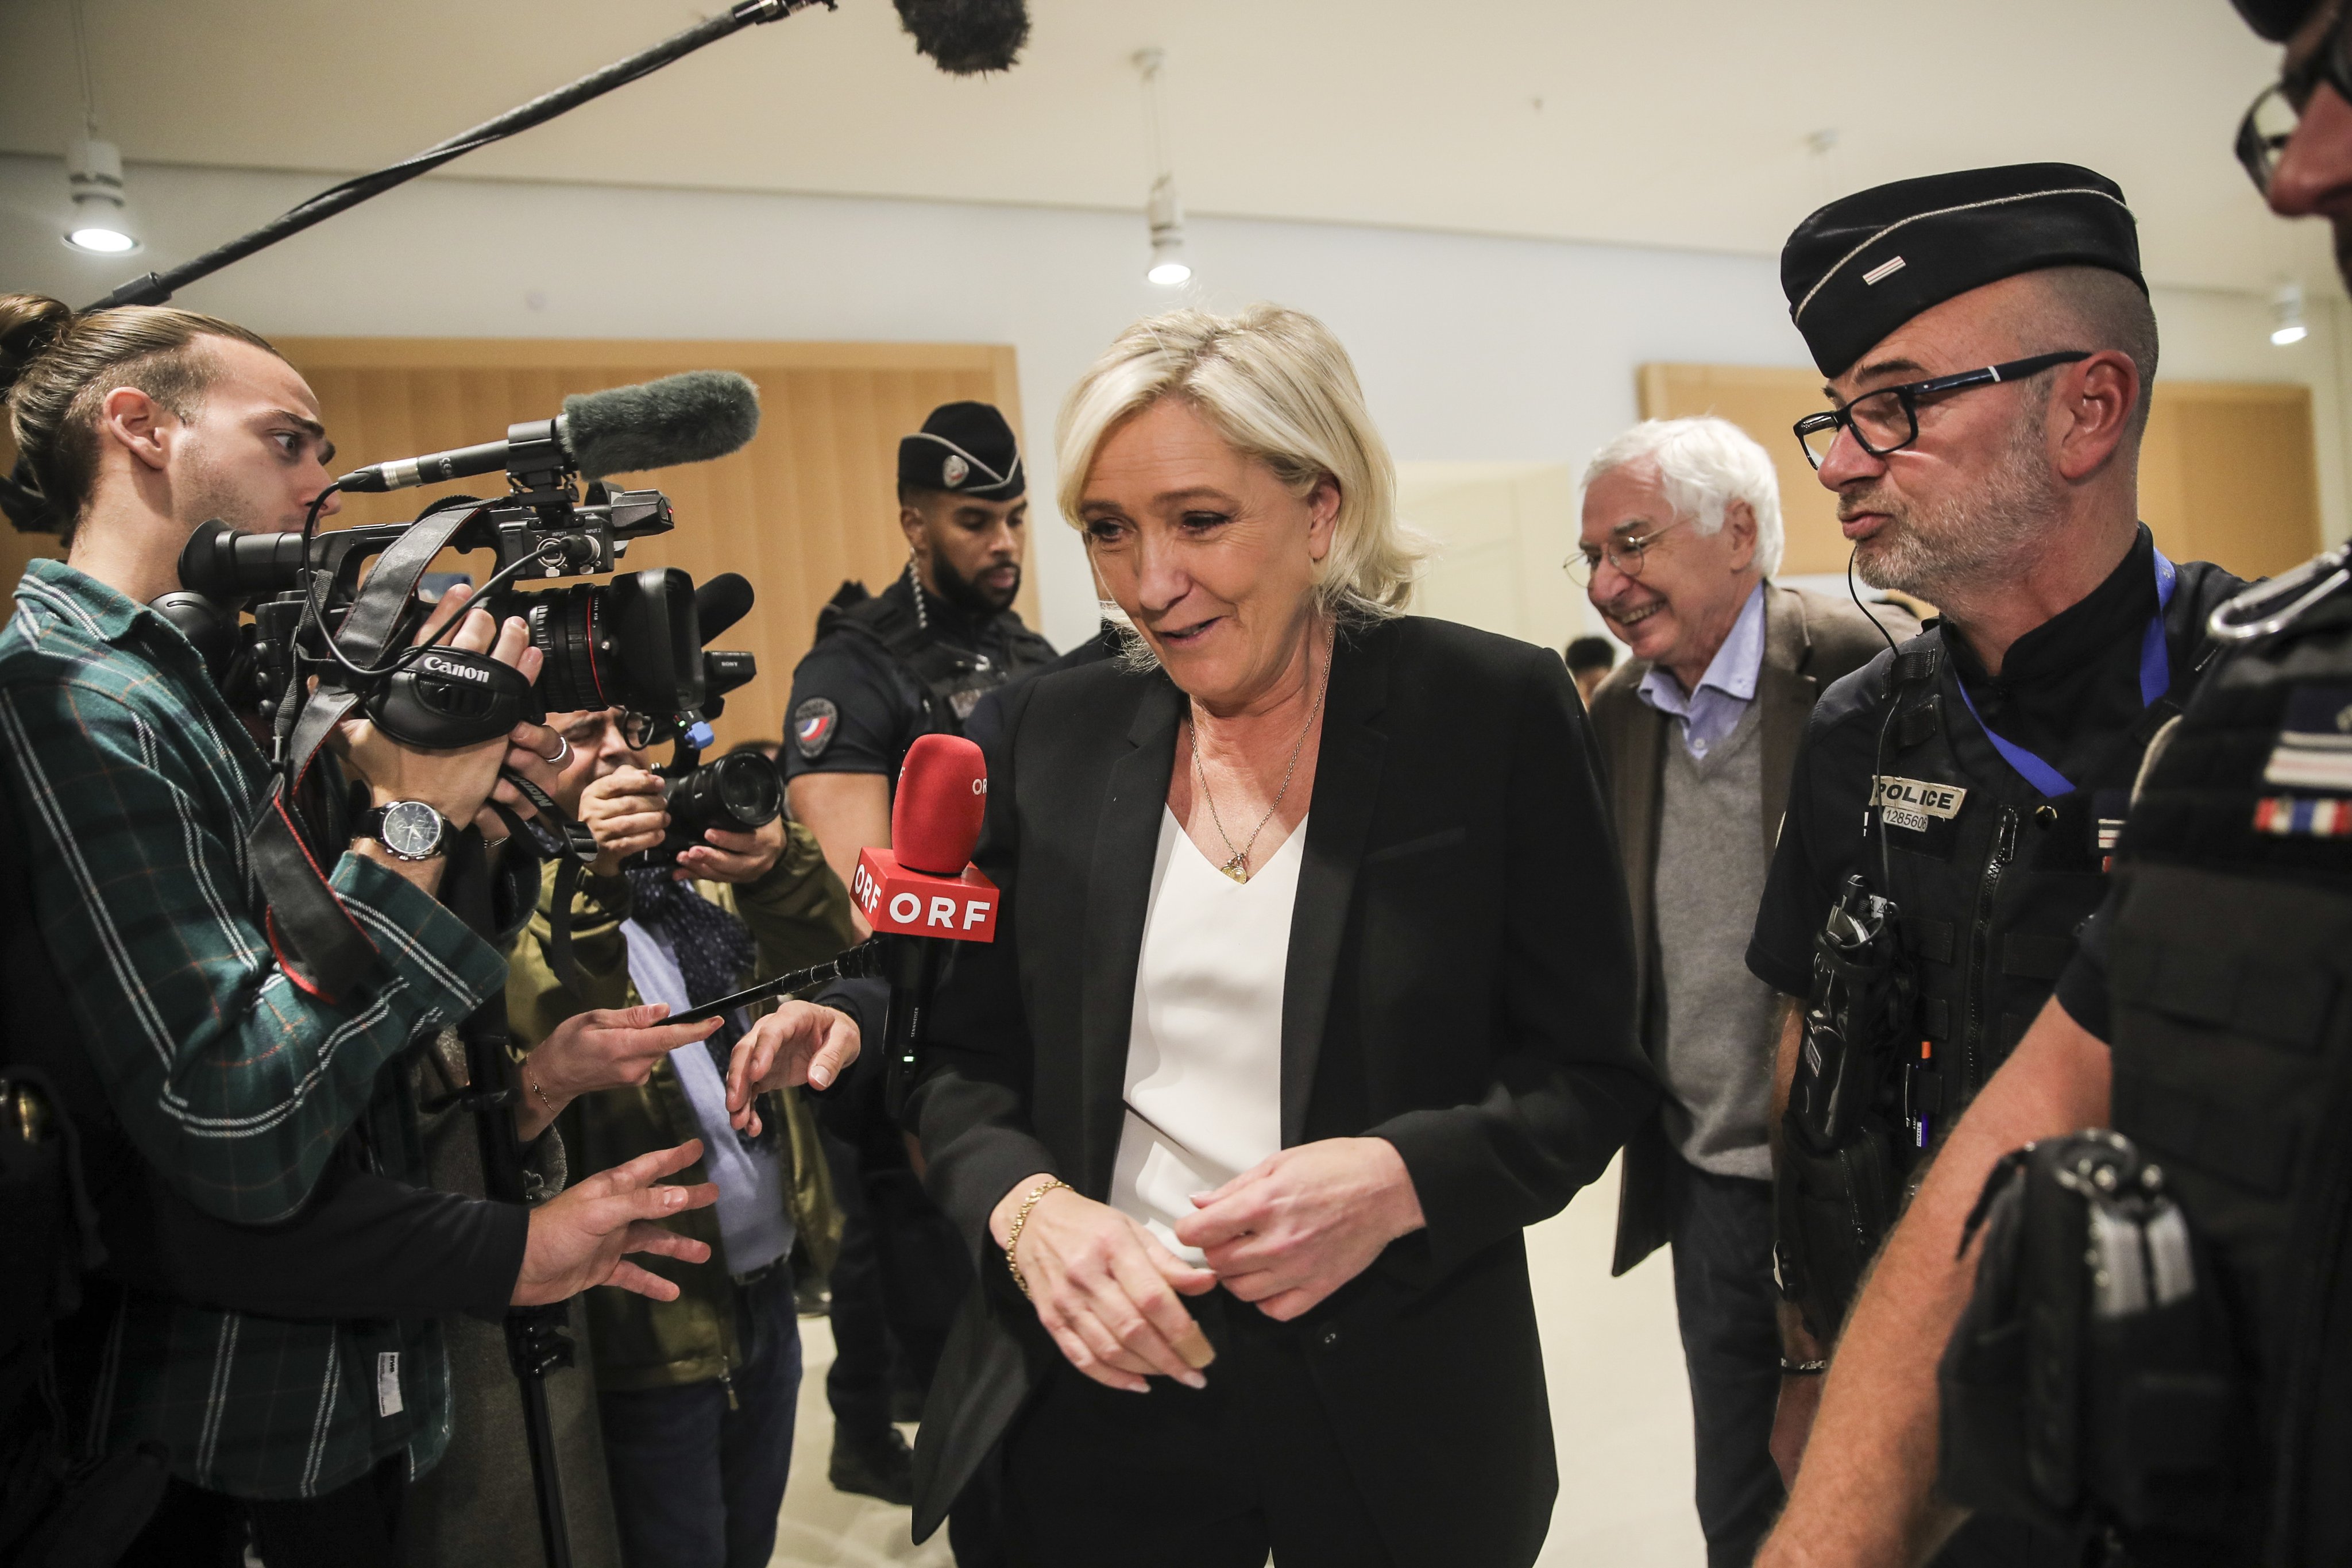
x: 1204, y: 1051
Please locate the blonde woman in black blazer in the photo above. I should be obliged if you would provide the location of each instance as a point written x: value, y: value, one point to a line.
x: 1350, y: 1374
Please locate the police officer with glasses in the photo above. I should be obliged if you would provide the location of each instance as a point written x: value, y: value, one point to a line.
x: 1987, y: 345
x: 2203, y: 1019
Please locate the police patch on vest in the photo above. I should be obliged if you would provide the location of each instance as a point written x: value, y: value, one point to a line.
x: 1915, y: 803
x: 2315, y: 744
x: 814, y: 723
x: 1920, y: 809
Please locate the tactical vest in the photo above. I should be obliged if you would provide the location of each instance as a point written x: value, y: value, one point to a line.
x: 1994, y: 880
x: 2230, y: 980
x: 952, y: 680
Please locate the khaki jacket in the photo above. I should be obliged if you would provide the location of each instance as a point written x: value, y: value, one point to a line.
x: 1810, y: 641
x: 799, y: 914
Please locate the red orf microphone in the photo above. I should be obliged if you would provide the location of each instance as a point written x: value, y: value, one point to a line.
x: 924, y: 887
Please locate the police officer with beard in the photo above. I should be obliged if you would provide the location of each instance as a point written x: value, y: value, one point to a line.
x: 2207, y: 1017
x: 1987, y: 345
x: 912, y: 660
x: 916, y: 658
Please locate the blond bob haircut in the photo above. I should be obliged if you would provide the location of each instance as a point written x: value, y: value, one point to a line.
x: 1278, y: 385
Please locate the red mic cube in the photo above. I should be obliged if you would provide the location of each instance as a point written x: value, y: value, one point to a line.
x: 915, y: 903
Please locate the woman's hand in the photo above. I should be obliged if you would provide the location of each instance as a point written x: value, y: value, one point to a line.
x: 1105, y: 1290
x: 580, y: 1236
x: 628, y: 811
x: 798, y: 1043
x: 1296, y: 1227
x: 604, y: 1048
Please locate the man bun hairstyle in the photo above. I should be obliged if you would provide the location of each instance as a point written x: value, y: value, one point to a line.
x: 56, y: 369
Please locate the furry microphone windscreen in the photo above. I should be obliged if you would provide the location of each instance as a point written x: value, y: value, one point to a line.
x: 689, y: 418
x: 966, y: 38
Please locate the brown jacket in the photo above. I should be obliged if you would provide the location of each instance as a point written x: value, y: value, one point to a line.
x: 1810, y: 641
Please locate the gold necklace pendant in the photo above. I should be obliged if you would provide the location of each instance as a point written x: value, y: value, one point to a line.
x: 1235, y: 869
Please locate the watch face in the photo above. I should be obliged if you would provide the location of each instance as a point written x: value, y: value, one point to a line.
x: 412, y: 829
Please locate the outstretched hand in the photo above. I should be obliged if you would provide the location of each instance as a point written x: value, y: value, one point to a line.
x: 604, y: 1047
x: 580, y: 1236
x: 799, y: 1043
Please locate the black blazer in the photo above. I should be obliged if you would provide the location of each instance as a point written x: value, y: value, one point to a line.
x: 1460, y: 982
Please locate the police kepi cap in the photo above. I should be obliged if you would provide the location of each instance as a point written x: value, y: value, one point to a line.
x: 2275, y: 19
x: 966, y: 448
x: 1867, y: 263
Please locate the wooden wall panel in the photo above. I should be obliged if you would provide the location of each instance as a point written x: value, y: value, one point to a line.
x: 2227, y: 471
x: 811, y: 501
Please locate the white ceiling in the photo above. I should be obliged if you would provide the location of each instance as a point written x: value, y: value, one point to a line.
x: 1670, y: 123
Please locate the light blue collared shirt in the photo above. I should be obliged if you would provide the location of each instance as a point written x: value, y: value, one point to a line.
x: 755, y: 1220
x: 1707, y: 716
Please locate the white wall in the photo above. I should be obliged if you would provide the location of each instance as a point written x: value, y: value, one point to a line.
x: 1472, y: 349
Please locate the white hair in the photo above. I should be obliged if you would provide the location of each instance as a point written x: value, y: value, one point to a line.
x: 1704, y: 465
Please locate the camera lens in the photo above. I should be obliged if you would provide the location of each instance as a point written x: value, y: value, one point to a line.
x: 567, y: 627
x: 738, y: 794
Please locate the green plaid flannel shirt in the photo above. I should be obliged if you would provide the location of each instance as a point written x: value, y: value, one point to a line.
x: 135, y: 783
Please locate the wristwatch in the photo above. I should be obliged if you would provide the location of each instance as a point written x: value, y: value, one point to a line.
x: 408, y: 829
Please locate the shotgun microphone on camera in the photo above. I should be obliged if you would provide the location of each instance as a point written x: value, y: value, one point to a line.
x: 689, y: 418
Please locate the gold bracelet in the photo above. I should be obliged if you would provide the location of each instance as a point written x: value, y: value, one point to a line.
x: 1013, y: 1236
x: 532, y: 1080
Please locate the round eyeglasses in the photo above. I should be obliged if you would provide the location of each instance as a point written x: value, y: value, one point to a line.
x: 1623, y: 550
x: 1886, y: 420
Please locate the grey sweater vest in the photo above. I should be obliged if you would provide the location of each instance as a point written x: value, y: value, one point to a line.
x: 1718, y: 1016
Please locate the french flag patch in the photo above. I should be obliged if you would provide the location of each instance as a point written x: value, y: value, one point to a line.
x: 2301, y: 817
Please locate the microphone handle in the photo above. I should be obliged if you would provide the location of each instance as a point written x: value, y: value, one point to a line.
x: 850, y: 964
x: 913, y: 963
x: 460, y: 463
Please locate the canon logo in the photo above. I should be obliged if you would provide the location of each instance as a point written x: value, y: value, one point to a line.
x: 980, y: 785
x: 434, y: 665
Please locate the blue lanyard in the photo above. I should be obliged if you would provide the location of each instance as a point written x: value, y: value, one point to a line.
x: 2155, y: 681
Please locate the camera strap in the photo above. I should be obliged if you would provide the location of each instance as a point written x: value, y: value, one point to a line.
x: 568, y: 844
x: 317, y: 944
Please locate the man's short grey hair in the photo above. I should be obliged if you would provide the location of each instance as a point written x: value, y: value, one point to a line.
x: 1704, y: 465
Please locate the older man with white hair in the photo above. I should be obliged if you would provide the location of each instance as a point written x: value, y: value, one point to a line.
x: 1699, y: 730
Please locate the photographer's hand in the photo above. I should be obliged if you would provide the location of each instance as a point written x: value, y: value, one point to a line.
x: 579, y: 1236
x: 628, y: 811
x: 534, y: 750
x: 742, y: 857
x: 604, y: 1047
x: 799, y: 1043
x: 453, y: 782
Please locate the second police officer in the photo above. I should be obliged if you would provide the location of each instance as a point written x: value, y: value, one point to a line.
x: 1988, y: 346
x: 2189, y: 1397
x: 912, y: 660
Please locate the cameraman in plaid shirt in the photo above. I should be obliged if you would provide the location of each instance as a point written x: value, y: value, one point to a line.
x: 254, y: 1102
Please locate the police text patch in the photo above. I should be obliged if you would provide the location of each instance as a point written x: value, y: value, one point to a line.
x: 1916, y: 804
x: 814, y: 723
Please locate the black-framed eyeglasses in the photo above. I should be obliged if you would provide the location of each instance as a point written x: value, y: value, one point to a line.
x: 638, y: 731
x: 1887, y: 420
x: 1624, y: 552
x: 2270, y: 122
